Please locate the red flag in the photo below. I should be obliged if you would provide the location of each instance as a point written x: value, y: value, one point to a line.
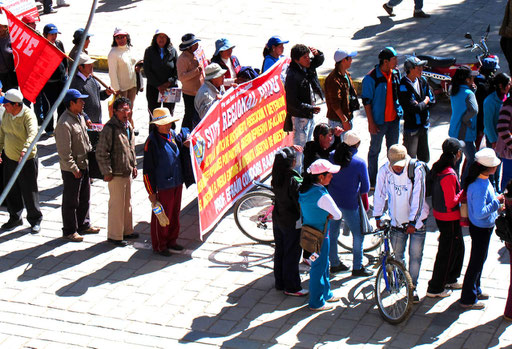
x: 35, y: 58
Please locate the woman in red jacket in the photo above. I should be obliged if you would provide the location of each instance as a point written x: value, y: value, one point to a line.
x: 446, y: 195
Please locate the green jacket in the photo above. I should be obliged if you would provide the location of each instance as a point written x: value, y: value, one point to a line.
x: 17, y: 132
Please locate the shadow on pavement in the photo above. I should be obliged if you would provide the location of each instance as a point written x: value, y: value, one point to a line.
x: 241, y: 257
x: 386, y: 23
x: 116, y: 5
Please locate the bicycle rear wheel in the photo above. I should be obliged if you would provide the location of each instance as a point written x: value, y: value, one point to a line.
x: 253, y: 216
x: 394, y: 298
x: 370, y: 243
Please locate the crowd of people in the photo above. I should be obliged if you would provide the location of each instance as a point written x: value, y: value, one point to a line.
x: 322, y: 181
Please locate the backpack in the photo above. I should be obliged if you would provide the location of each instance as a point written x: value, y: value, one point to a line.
x: 413, y: 163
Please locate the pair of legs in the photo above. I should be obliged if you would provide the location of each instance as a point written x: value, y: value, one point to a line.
x: 319, y: 285
x: 416, y: 244
x: 76, y: 197
x: 120, y: 221
x: 416, y: 143
x: 449, y: 258
x: 391, y: 131
x: 163, y: 238
x: 418, y: 4
x: 191, y: 118
x: 130, y: 94
x: 286, y: 258
x: 302, y: 133
x: 352, y: 219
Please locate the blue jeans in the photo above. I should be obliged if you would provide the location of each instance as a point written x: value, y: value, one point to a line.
x: 469, y: 151
x: 302, y: 133
x: 418, y: 4
x: 392, y: 131
x: 352, y: 219
x: 319, y: 285
x: 416, y: 243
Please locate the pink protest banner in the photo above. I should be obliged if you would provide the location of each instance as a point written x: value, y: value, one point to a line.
x: 235, y: 143
x: 20, y: 8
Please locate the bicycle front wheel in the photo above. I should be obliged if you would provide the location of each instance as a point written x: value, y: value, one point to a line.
x: 394, y: 292
x: 253, y: 216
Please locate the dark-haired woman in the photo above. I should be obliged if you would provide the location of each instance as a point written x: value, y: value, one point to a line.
x: 317, y: 208
x: 272, y: 52
x: 446, y: 196
x: 224, y: 57
x: 160, y: 69
x: 464, y: 112
x: 286, y: 223
x: 345, y: 188
x: 483, y: 206
x: 121, y: 67
x: 498, y: 127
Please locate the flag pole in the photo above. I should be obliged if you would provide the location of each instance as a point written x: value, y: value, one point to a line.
x: 48, y: 117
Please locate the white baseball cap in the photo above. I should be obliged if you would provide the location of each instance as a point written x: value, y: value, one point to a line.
x: 351, y: 138
x: 487, y: 157
x: 342, y: 54
x: 322, y: 166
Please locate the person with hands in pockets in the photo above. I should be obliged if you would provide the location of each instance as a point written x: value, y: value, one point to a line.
x: 408, y: 209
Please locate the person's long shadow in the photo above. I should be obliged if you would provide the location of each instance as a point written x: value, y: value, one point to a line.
x: 466, y: 336
x: 140, y: 263
x: 116, y: 5
x: 385, y: 24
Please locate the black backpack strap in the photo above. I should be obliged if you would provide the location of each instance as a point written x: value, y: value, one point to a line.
x: 410, y: 169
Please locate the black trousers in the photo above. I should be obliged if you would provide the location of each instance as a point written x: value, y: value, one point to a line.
x: 417, y: 144
x: 286, y: 258
x: 9, y: 80
x: 506, y: 47
x: 191, y: 118
x: 75, y: 202
x: 24, y: 192
x: 450, y: 256
x: 480, y: 238
x: 49, y: 95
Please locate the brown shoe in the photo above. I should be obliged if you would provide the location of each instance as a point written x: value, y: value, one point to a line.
x: 75, y: 237
x: 476, y: 306
x: 90, y: 230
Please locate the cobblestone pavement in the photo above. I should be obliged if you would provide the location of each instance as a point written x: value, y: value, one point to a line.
x: 219, y: 292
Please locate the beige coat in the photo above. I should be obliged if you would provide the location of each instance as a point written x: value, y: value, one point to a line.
x: 189, y: 74
x: 72, y: 142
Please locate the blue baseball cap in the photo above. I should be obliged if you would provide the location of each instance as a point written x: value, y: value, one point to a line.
x: 73, y: 94
x: 387, y: 53
x: 50, y: 29
x: 222, y: 45
x: 77, y: 35
x: 276, y: 40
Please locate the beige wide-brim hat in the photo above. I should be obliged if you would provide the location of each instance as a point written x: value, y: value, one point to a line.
x: 162, y: 116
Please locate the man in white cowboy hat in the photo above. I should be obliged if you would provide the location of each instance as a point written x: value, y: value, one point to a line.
x: 116, y: 158
x: 165, y: 171
x: 87, y: 85
x: 406, y: 205
x: 212, y: 89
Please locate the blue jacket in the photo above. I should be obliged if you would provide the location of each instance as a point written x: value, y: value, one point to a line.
x: 349, y: 182
x: 164, y: 163
x: 492, y: 106
x: 482, y: 203
x: 313, y: 215
x: 464, y: 111
x: 374, y: 93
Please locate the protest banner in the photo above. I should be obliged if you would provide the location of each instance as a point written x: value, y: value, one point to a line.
x: 20, y: 8
x: 35, y: 58
x: 235, y: 143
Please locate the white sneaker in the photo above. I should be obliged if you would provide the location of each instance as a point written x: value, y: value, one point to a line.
x: 300, y: 293
x: 454, y: 286
x: 445, y: 293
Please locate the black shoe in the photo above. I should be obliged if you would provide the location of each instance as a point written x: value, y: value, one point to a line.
x: 36, y: 228
x: 176, y: 247
x: 50, y: 11
x: 362, y: 272
x: 389, y: 10
x: 165, y: 253
x: 120, y: 243
x: 131, y: 236
x: 420, y: 14
x: 11, y: 224
x: 339, y: 268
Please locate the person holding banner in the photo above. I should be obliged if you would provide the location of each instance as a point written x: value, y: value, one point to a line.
x: 272, y: 52
x: 165, y: 171
x: 160, y: 60
x: 317, y: 208
x: 191, y: 75
x: 212, y: 89
x: 224, y: 57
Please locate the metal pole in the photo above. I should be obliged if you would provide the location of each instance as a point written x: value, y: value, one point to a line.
x: 52, y: 109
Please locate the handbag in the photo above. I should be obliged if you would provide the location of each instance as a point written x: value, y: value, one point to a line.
x: 364, y: 221
x: 311, y: 239
x: 94, y: 169
x: 503, y: 228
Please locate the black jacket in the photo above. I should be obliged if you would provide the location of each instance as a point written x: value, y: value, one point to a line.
x: 298, y: 84
x: 60, y: 74
x: 416, y: 112
x: 313, y: 151
x: 159, y: 71
x: 286, y: 207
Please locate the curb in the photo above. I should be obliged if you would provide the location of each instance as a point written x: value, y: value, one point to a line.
x: 101, y: 64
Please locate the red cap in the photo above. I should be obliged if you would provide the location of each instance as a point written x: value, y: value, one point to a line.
x: 28, y: 19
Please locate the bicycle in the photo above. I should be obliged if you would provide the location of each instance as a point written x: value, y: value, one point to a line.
x: 253, y: 214
x: 370, y: 243
x: 393, y: 283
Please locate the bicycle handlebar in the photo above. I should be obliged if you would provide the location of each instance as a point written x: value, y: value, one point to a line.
x: 263, y: 185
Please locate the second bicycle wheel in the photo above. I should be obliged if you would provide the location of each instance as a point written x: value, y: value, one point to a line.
x: 370, y: 243
x: 253, y: 216
x: 394, y: 297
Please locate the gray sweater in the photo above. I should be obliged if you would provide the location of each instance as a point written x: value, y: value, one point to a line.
x: 92, y: 103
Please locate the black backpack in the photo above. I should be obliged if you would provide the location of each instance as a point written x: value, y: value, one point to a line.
x: 413, y: 163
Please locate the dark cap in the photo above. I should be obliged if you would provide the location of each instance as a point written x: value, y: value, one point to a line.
x: 77, y: 35
x: 50, y: 29
x: 388, y: 53
x: 452, y: 145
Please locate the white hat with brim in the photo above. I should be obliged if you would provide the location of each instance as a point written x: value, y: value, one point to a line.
x: 397, y: 155
x: 85, y: 59
x: 322, y: 166
x: 213, y: 71
x: 12, y: 96
x: 487, y: 157
x: 351, y: 138
x: 162, y: 116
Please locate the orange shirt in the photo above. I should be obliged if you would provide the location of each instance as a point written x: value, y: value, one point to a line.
x: 390, y: 112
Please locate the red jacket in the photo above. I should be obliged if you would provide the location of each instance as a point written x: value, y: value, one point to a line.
x: 450, y: 188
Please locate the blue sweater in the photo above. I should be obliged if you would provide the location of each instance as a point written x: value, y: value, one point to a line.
x: 482, y: 203
x: 313, y: 215
x: 346, y: 185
